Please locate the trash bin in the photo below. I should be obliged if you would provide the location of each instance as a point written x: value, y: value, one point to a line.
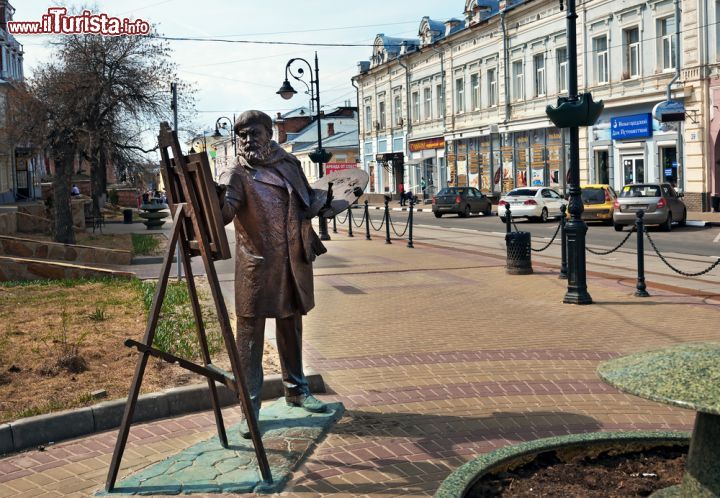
x: 716, y: 203
x: 127, y: 216
x: 518, y: 253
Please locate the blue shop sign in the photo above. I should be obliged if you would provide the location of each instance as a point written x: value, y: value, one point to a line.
x: 635, y: 126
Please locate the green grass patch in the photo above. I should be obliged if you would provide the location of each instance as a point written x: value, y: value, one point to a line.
x: 176, y: 329
x: 144, y: 244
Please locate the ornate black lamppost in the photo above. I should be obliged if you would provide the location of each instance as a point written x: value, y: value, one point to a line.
x: 572, y: 112
x: 225, y: 123
x: 319, y: 155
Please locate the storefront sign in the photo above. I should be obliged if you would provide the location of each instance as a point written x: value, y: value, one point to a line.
x: 669, y: 111
x: 331, y: 167
x: 635, y: 126
x: 427, y: 144
x: 389, y: 156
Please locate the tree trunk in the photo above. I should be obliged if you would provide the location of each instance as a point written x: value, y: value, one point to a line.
x: 96, y: 188
x: 64, y: 157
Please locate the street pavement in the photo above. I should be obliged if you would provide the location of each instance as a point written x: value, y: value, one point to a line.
x: 438, y: 355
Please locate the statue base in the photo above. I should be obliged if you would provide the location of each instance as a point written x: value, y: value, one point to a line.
x: 289, y: 434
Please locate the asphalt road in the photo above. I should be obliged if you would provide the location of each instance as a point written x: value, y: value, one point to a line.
x: 684, y: 240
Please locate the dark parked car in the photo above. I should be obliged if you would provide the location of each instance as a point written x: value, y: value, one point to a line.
x: 461, y: 200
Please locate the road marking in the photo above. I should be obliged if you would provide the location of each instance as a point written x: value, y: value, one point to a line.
x: 717, y: 238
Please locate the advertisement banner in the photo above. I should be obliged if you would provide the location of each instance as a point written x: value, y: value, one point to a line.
x: 332, y: 167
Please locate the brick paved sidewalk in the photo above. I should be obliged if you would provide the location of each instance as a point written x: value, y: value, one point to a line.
x: 438, y: 355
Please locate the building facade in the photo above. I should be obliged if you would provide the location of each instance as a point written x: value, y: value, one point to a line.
x: 20, y: 165
x: 464, y: 102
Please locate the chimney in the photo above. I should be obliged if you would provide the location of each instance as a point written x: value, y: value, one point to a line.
x: 331, y: 129
x: 280, y: 128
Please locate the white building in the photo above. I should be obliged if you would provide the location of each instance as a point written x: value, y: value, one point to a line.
x: 465, y: 101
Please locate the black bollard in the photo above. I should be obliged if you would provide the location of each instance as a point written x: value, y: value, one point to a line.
x: 410, y: 223
x: 367, y: 221
x: 563, y: 244
x: 387, y: 221
x: 508, y: 219
x: 334, y: 226
x: 350, y: 222
x: 640, y: 227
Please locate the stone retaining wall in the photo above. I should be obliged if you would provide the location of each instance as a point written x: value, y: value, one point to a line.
x: 12, y: 269
x: 28, y: 248
x: 8, y: 222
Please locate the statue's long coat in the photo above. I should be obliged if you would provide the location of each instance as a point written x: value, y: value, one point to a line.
x: 272, y: 205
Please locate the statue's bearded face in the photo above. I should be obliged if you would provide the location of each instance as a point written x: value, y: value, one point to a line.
x: 254, y: 143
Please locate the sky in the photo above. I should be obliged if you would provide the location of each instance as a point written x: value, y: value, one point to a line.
x: 232, y: 77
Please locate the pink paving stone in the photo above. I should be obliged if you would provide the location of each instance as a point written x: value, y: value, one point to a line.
x: 381, y: 453
x: 8, y: 467
x: 43, y: 457
x: 49, y: 465
x: 93, y: 445
x: 25, y: 462
x: 14, y: 475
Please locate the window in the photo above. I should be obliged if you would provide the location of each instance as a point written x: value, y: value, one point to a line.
x: 381, y: 114
x: 539, y: 67
x: 492, y: 86
x: 427, y: 101
x: 562, y: 69
x: 475, y: 91
x: 631, y: 45
x: 368, y: 117
x: 666, y: 28
x: 440, y: 99
x: 518, y: 81
x: 459, y: 95
x: 415, y: 106
x: 600, y: 61
x: 397, y: 109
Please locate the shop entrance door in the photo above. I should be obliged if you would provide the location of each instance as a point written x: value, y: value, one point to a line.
x: 633, y: 169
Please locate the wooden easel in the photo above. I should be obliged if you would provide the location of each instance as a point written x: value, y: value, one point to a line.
x: 199, y: 229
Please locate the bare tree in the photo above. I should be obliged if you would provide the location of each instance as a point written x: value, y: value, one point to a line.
x: 128, y: 81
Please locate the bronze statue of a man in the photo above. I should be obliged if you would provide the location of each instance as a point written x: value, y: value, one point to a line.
x: 271, y: 203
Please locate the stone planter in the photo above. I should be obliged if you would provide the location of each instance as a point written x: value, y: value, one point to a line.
x: 154, y: 215
x: 459, y: 483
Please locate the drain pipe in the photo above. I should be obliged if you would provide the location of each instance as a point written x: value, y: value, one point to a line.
x: 506, y: 61
x: 442, y: 83
x: 676, y: 77
x: 407, y: 94
x: 407, y: 107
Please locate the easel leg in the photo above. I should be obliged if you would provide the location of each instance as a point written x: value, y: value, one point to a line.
x: 142, y: 362
x: 202, y: 338
x: 242, y: 390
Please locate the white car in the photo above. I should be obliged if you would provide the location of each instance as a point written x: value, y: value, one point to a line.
x: 533, y: 203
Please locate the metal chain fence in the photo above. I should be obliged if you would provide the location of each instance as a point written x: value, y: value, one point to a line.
x: 377, y: 229
x: 622, y: 243
x: 557, y: 230
x: 362, y: 220
x: 342, y: 222
x: 676, y: 270
x: 392, y: 225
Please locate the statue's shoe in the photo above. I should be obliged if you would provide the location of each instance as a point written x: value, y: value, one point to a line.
x: 308, y: 402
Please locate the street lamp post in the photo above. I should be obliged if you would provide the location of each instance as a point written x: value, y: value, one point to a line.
x: 572, y: 112
x: 224, y: 122
x: 320, y: 155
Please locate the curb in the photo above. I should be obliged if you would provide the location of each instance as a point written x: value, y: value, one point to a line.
x: 50, y: 428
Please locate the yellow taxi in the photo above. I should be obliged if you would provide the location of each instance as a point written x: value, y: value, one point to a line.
x: 599, y: 200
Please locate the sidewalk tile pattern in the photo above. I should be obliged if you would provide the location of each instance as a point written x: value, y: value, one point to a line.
x: 438, y: 356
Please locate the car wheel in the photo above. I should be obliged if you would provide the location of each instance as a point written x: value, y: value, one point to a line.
x: 683, y: 220
x: 488, y: 210
x: 667, y: 225
x: 438, y: 215
x: 618, y: 228
x: 466, y: 212
x: 544, y: 216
